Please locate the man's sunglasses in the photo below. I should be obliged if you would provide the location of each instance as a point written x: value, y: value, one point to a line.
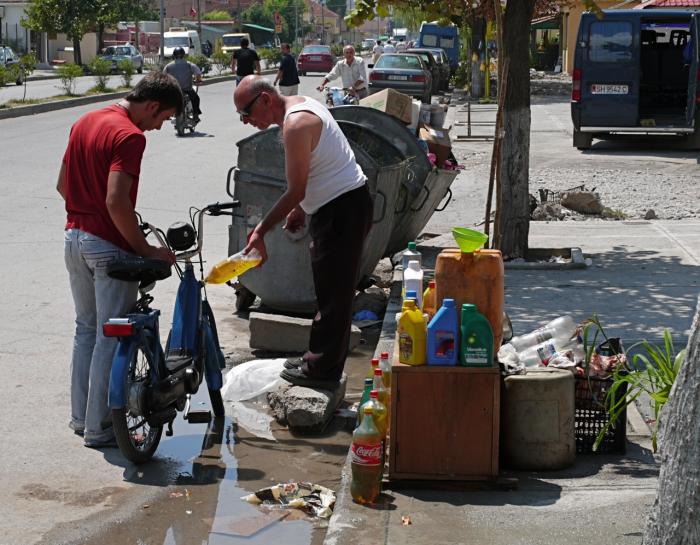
x: 245, y: 111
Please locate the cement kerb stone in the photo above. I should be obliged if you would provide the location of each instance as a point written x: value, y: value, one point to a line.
x: 280, y: 333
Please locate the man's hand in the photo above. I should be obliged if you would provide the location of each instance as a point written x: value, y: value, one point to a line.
x: 296, y: 219
x: 256, y: 241
x: 158, y: 252
x: 320, y: 87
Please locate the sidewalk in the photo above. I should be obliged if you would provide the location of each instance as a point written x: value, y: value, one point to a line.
x: 644, y: 277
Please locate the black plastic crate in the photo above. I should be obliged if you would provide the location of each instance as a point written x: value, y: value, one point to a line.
x: 592, y: 415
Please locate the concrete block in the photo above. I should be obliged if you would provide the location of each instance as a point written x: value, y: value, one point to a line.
x: 279, y: 333
x: 307, y: 409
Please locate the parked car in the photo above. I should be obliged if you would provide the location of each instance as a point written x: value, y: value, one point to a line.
x: 404, y: 72
x: 429, y: 59
x: 444, y: 63
x: 315, y: 58
x: 9, y: 59
x: 117, y: 53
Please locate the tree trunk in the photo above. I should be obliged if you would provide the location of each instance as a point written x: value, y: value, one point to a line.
x: 77, y: 57
x: 675, y: 515
x: 513, y: 213
x: 100, y: 37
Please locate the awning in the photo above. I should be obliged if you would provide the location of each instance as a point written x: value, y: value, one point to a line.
x: 258, y: 27
x: 550, y: 22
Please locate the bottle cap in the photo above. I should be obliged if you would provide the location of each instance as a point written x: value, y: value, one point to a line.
x: 377, y: 372
x: 431, y: 284
x: 368, y: 381
x: 384, y: 355
x: 411, y: 294
x: 375, y: 362
x: 412, y: 245
x: 466, y: 307
x: 409, y: 304
x: 374, y: 394
x: 448, y: 303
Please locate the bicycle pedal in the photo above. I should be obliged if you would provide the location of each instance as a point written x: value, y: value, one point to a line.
x: 198, y: 416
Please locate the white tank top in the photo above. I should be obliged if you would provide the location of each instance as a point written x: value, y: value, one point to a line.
x: 333, y: 169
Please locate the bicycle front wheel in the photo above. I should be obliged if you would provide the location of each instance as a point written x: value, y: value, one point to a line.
x: 137, y: 439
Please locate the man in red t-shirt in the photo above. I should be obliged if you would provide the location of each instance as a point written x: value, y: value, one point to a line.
x: 99, y: 180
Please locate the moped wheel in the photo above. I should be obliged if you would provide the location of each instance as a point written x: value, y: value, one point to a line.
x: 137, y: 439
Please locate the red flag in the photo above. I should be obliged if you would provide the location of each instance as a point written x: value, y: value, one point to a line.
x: 193, y: 12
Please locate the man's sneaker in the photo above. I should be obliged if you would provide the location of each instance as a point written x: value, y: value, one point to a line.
x: 77, y: 428
x: 101, y: 443
x: 293, y: 363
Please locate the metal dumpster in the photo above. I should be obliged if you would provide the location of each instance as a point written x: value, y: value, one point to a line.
x: 423, y: 188
x: 285, y: 282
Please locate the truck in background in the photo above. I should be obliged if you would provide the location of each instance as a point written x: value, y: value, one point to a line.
x: 444, y: 37
x: 181, y: 37
x: 232, y: 41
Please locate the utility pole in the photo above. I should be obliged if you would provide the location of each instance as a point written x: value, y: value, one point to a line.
x: 296, y: 21
x: 199, y: 20
x: 323, y: 23
x: 238, y: 15
x: 162, y: 31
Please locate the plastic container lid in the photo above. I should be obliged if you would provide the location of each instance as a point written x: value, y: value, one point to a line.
x: 412, y: 245
x: 384, y: 355
x: 374, y: 394
x: 368, y: 381
x: 449, y: 303
x: 431, y: 283
x: 469, y: 240
x: 466, y: 307
x: 377, y: 372
x: 411, y: 294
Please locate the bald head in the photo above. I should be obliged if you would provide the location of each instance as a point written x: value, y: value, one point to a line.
x: 251, y: 86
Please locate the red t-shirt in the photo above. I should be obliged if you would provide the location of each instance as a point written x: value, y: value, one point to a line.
x: 100, y: 142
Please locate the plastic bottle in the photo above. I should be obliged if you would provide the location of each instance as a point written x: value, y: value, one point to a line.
x: 385, y: 366
x: 443, y: 335
x: 384, y: 394
x: 413, y: 281
x: 429, y: 300
x: 411, y: 254
x: 365, y: 396
x: 372, y: 367
x: 366, y: 461
x: 562, y: 328
x: 233, y: 266
x: 476, y: 346
x: 412, y: 334
x: 540, y: 354
x: 379, y: 412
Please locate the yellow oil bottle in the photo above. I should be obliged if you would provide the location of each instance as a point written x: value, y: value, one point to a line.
x: 412, y: 334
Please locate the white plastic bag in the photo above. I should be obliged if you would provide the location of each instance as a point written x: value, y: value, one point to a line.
x: 253, y: 378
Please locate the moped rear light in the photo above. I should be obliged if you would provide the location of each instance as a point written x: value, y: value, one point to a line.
x: 119, y: 327
x: 576, y: 85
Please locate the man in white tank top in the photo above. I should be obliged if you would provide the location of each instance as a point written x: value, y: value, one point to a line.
x: 324, y: 182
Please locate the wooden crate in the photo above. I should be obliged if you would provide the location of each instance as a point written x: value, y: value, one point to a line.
x: 444, y: 422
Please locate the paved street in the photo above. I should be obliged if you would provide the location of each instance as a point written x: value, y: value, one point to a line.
x: 52, y: 486
x: 52, y: 87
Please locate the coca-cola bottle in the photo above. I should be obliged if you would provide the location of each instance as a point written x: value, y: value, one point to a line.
x: 366, y: 461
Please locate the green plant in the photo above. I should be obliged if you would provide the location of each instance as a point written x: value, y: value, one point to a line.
x: 67, y: 74
x: 100, y: 68
x: 653, y: 371
x: 5, y: 76
x: 202, y: 61
x: 272, y: 56
x: 337, y: 50
x: 126, y: 67
x: 27, y: 65
x: 217, y: 15
x: 221, y: 60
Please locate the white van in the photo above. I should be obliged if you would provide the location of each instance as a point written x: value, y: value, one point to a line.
x: 181, y: 37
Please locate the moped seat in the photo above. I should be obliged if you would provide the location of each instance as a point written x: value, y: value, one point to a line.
x: 139, y: 269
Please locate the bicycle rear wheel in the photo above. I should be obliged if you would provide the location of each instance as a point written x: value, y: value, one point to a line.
x: 137, y: 439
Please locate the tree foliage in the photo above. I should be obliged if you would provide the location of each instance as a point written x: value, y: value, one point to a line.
x: 263, y: 14
x: 216, y: 15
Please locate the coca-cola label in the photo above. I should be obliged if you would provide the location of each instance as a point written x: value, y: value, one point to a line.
x: 366, y: 455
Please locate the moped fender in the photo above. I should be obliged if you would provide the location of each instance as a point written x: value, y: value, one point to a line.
x: 120, y: 367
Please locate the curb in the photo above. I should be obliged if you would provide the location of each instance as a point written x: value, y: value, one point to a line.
x: 21, y: 111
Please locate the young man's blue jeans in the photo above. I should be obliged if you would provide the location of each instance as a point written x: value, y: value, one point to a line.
x: 97, y: 297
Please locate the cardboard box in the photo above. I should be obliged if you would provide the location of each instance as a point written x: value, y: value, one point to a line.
x: 438, y: 142
x: 390, y: 102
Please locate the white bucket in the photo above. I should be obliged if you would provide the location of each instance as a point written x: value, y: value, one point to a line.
x: 437, y: 116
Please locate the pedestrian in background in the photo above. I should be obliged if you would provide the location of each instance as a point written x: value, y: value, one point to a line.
x: 245, y: 61
x: 98, y: 181
x: 377, y: 51
x: 324, y: 182
x: 287, y: 76
x: 352, y: 73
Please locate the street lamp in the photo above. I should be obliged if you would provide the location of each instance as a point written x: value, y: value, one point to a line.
x: 323, y: 23
x: 162, y: 32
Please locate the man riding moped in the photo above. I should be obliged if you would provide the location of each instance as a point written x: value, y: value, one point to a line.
x: 184, y: 72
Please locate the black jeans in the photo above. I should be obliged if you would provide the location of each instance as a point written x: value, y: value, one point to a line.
x: 338, y: 232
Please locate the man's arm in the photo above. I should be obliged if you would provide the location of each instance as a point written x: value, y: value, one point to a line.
x: 301, y: 132
x: 233, y: 63
x: 334, y: 73
x: 61, y: 183
x: 124, y: 217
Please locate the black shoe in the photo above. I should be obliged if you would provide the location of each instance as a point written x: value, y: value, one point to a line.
x: 299, y: 378
x: 293, y: 363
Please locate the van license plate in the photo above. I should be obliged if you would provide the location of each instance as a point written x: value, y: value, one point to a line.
x: 607, y: 89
